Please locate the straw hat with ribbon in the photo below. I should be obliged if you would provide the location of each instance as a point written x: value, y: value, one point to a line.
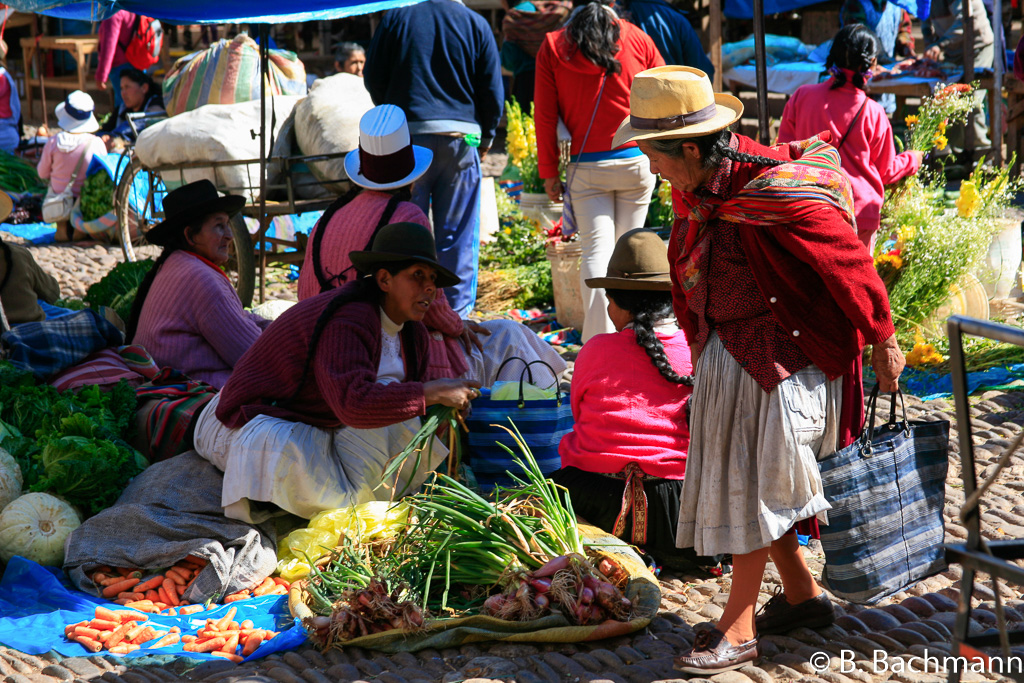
x: 386, y: 158
x: 639, y: 261
x: 675, y: 102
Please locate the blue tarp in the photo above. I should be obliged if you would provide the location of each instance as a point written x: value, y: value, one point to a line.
x: 931, y: 385
x: 37, y: 602
x: 36, y: 233
x: 205, y: 12
x: 744, y: 9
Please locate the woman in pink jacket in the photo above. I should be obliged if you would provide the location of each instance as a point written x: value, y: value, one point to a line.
x: 858, y: 124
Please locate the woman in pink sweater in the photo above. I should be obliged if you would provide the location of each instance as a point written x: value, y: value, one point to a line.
x: 626, y: 454
x: 187, y: 314
x: 458, y: 348
x: 858, y: 124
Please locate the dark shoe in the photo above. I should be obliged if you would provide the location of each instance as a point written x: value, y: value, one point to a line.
x: 778, y: 616
x: 712, y: 653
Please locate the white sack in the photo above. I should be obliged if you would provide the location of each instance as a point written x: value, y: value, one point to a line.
x: 327, y: 122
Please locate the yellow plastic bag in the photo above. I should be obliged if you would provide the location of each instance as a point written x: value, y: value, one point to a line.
x: 509, y: 391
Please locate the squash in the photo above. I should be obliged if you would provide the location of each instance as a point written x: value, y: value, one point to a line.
x: 10, y: 479
x: 35, y: 526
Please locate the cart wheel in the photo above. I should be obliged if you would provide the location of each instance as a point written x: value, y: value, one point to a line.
x: 139, y: 206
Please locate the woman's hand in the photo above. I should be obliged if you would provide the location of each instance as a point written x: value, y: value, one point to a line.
x: 919, y: 155
x: 888, y: 362
x: 553, y: 188
x: 454, y: 393
x: 470, y: 330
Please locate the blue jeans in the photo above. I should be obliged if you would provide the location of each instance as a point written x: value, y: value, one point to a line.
x: 451, y: 186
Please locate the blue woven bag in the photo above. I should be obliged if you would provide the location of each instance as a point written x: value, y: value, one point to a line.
x: 887, y: 489
x: 542, y: 423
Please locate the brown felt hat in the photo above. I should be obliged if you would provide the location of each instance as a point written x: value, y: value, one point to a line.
x: 639, y: 261
x: 399, y: 242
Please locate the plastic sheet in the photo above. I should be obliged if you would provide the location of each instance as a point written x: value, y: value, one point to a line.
x: 38, y: 602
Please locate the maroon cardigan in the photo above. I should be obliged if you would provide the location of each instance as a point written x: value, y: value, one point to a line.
x: 818, y: 279
x: 342, y: 388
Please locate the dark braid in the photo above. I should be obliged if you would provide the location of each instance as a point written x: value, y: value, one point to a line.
x: 713, y: 148
x: 147, y: 283
x: 647, y: 308
x: 8, y: 264
x: 854, y: 48
x: 363, y: 289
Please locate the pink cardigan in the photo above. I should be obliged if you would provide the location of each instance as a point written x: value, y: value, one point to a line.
x: 114, y: 35
x: 60, y: 157
x: 868, y: 155
x: 350, y: 230
x: 193, y: 321
x: 625, y: 411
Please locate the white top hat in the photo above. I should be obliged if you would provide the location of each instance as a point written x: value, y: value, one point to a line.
x: 74, y: 114
x: 386, y: 158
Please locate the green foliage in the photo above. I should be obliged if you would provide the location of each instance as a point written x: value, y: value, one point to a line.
x: 71, y: 304
x: 71, y: 445
x: 17, y: 175
x: 97, y: 197
x: 118, y: 287
x: 517, y: 253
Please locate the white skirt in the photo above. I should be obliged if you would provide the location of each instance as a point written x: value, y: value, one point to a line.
x: 303, y: 469
x: 751, y: 469
x: 508, y: 339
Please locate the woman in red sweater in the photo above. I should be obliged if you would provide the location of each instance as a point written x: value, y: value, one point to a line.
x: 623, y: 462
x: 333, y: 389
x: 584, y: 71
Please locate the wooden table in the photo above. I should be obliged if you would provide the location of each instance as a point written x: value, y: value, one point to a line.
x: 80, y: 48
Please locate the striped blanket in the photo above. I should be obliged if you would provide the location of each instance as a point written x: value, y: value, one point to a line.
x: 782, y: 194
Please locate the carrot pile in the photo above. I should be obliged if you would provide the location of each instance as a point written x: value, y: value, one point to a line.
x: 163, y: 593
x: 227, y: 638
x: 119, y: 632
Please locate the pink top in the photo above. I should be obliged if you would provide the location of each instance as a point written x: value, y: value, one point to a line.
x: 114, y: 35
x: 350, y: 229
x: 868, y: 154
x: 60, y: 156
x: 625, y: 411
x: 193, y: 320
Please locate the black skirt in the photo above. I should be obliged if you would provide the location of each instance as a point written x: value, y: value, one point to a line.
x: 597, y: 499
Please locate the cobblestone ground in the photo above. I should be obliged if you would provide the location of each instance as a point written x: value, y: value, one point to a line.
x: 902, y: 627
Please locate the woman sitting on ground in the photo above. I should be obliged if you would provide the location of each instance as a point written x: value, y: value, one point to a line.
x: 23, y: 283
x: 187, y: 314
x: 630, y: 436
x: 334, y: 388
x: 140, y: 95
x: 458, y: 348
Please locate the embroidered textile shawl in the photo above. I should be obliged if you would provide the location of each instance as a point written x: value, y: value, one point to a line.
x: 781, y: 194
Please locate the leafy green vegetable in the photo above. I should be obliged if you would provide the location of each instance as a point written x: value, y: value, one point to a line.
x: 97, y: 197
x: 117, y: 289
x: 518, y: 254
x: 17, y: 175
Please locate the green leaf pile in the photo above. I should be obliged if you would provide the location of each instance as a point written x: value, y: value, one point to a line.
x: 18, y: 175
x: 71, y: 445
x: 117, y: 289
x: 97, y: 197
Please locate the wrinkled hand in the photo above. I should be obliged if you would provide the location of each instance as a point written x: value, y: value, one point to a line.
x: 470, y: 332
x: 933, y: 53
x: 888, y: 362
x: 454, y: 393
x: 553, y: 188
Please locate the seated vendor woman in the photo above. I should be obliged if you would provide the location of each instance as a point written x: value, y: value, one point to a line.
x: 23, y: 283
x: 187, y: 314
x: 382, y: 170
x: 624, y: 461
x: 141, y: 96
x: 333, y: 389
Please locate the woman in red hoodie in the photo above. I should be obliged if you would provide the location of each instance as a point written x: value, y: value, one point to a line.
x: 584, y: 71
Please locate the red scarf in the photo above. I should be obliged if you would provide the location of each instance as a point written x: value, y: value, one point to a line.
x: 211, y: 264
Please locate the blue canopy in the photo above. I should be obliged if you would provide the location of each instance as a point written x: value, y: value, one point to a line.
x: 744, y: 9
x: 206, y: 12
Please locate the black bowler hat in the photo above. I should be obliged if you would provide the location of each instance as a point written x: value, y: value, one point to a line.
x: 188, y: 204
x: 399, y: 242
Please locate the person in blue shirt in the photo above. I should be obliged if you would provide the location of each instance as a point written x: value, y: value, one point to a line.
x: 671, y: 32
x: 438, y: 61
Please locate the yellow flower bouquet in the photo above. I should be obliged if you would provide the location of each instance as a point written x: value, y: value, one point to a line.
x: 521, y: 145
x: 946, y: 105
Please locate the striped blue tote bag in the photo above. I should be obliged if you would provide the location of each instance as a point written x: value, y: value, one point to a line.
x: 542, y: 422
x: 887, y: 489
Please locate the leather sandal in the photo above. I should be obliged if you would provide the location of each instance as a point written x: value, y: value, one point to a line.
x: 712, y: 653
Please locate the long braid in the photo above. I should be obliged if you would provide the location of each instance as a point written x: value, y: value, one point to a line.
x: 647, y: 308
x: 8, y: 264
x: 723, y: 148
